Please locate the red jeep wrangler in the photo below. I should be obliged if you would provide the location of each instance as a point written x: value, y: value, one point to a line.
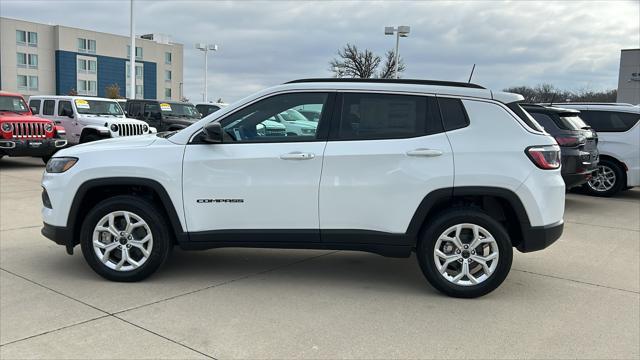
x: 23, y: 134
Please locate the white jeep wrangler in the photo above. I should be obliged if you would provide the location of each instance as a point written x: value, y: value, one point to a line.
x: 454, y: 172
x: 87, y: 119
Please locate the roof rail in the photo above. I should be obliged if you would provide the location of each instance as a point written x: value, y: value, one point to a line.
x: 592, y: 103
x: 391, y: 81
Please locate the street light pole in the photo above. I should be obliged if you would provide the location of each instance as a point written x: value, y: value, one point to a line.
x: 132, y: 56
x: 400, y: 31
x: 205, y: 48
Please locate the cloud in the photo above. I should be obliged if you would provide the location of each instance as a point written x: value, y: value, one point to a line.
x: 570, y: 44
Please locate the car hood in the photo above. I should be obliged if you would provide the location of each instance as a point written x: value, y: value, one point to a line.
x: 112, y: 119
x: 11, y: 117
x: 126, y: 142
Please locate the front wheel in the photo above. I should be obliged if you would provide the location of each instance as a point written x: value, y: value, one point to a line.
x: 607, y: 181
x: 465, y: 253
x: 125, y: 238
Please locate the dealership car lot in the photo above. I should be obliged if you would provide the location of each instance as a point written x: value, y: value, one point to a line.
x: 578, y: 298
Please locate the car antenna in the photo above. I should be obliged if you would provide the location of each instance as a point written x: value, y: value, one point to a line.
x: 552, y: 98
x: 471, y: 75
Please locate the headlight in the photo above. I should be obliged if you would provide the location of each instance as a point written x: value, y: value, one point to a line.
x: 60, y: 165
x: 145, y: 128
x: 7, y: 127
x: 114, y: 127
x: 48, y: 127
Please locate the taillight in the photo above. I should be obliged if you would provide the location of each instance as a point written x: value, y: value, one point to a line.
x: 544, y: 156
x: 570, y: 140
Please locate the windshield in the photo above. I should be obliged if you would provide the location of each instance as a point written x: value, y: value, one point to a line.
x: 13, y: 104
x: 98, y: 107
x: 573, y: 122
x: 178, y: 109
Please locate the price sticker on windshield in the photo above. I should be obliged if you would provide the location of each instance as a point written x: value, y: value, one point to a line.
x: 165, y: 107
x: 82, y: 104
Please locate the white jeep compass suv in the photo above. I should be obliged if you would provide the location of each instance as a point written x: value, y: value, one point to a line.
x: 451, y: 171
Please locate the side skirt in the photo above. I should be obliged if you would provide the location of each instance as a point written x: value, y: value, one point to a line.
x: 385, y: 244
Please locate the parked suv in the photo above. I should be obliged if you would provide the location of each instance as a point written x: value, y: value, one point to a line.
x: 22, y: 134
x: 619, y: 145
x: 578, y: 142
x: 87, y: 118
x: 378, y: 175
x: 207, y: 108
x: 163, y: 115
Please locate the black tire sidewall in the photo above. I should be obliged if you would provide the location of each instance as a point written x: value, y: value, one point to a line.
x: 147, y: 211
x: 617, y: 186
x: 429, y: 237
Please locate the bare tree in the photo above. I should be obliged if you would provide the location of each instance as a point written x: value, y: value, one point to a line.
x: 72, y: 92
x: 353, y: 63
x: 546, y: 93
x: 112, y: 91
x: 389, y: 66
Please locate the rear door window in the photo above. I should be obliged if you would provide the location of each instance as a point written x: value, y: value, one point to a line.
x: 385, y: 116
x: 64, y: 108
x: 609, y: 121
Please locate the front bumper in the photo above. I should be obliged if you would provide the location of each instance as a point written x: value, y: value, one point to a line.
x: 35, y: 147
x: 536, y: 238
x: 59, y: 235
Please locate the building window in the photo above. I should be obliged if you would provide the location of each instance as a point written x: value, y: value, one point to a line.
x: 167, y: 75
x: 87, y: 87
x: 167, y: 93
x: 139, y: 91
x: 22, y: 60
x: 21, y: 37
x: 28, y: 83
x: 33, y: 38
x: 32, y: 61
x: 24, y: 37
x: 86, y: 46
x: 87, y: 66
x: 139, y: 72
x: 138, y: 52
x: 167, y: 58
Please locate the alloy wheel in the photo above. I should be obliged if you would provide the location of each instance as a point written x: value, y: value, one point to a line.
x: 122, y: 241
x: 604, y: 179
x: 466, y: 254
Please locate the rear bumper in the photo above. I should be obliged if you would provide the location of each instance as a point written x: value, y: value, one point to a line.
x: 578, y: 166
x: 540, y: 237
x: 39, y: 147
x: 59, y: 235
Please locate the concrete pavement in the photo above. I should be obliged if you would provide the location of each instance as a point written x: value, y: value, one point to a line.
x: 580, y: 298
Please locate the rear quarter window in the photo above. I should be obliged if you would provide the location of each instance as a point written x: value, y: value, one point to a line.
x: 609, y: 121
x: 454, y: 116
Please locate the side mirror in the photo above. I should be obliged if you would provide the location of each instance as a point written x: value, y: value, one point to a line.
x: 69, y: 114
x: 213, y: 133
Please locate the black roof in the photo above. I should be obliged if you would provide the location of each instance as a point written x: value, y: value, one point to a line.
x: 391, y: 81
x: 549, y: 108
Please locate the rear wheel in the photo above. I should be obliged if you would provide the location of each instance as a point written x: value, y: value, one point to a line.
x: 125, y: 238
x: 607, y: 181
x: 465, y: 253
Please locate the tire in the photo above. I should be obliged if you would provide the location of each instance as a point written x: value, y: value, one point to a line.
x: 158, y: 246
x: 90, y: 138
x: 609, y: 180
x: 445, y: 224
x: 45, y: 159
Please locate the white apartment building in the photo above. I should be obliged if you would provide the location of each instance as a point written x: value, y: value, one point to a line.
x: 40, y: 59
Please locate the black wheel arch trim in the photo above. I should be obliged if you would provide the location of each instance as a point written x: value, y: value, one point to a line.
x: 71, y: 232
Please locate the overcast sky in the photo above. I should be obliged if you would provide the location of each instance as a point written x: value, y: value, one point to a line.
x: 570, y: 44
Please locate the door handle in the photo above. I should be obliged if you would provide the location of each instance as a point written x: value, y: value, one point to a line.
x: 424, y: 152
x: 297, y: 155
